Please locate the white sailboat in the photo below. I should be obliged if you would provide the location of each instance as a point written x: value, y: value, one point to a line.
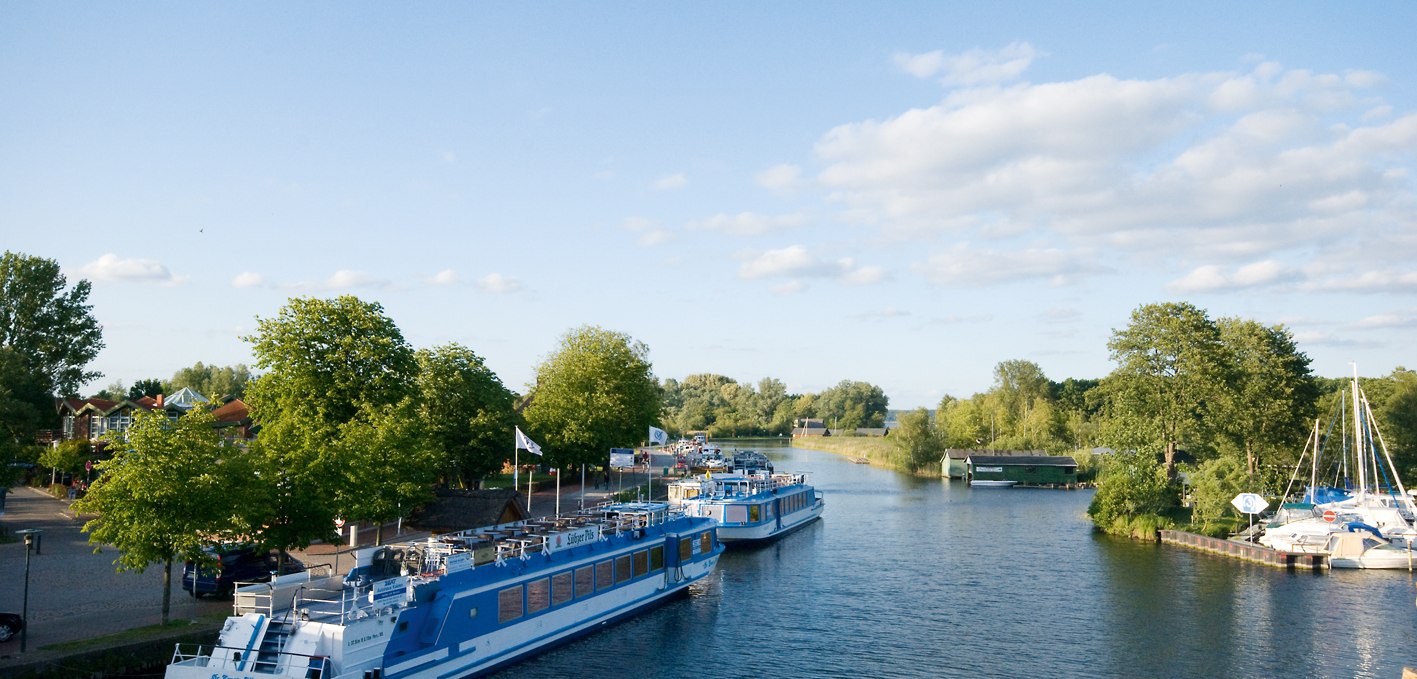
x: 1377, y: 504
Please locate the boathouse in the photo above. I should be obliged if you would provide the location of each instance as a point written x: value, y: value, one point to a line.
x: 952, y: 463
x: 1025, y: 470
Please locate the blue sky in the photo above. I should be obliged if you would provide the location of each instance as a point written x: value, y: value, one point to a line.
x: 901, y: 193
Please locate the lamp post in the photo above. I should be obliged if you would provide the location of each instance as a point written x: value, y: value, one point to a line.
x: 31, y: 540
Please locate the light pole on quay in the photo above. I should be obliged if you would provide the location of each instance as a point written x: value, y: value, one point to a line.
x: 31, y: 544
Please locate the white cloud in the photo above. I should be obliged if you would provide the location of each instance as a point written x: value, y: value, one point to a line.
x: 795, y: 262
x: 1213, y: 278
x: 498, y: 284
x: 655, y: 238
x: 748, y: 223
x: 1383, y: 321
x: 111, y: 267
x: 445, y: 277
x: 964, y: 266
x: 1219, y: 167
x: 780, y: 178
x: 975, y: 67
x: 448, y: 156
x: 671, y: 182
x: 1368, y: 281
x: 349, y: 279
x: 248, y: 279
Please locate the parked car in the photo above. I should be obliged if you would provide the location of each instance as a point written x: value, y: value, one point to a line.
x: 232, y: 564
x: 10, y: 625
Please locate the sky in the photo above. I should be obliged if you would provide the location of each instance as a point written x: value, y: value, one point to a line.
x: 901, y: 193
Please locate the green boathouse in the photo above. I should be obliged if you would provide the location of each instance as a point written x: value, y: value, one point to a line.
x: 1025, y: 470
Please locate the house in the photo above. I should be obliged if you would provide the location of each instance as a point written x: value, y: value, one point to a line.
x: 809, y: 426
x: 1026, y: 470
x: 454, y: 510
x: 952, y: 463
x: 233, y: 421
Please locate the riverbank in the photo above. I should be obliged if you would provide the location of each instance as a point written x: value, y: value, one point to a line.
x: 875, y: 450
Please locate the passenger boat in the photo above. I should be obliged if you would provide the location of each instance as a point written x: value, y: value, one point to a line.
x: 461, y: 604
x: 745, y: 461
x: 756, y: 506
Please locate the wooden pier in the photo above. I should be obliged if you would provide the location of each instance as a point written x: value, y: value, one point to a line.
x: 1246, y: 551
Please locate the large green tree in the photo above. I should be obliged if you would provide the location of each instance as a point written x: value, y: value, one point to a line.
x: 1170, y: 378
x: 1273, y: 395
x: 325, y: 362
x: 388, y: 464
x: 920, y: 443
x: 52, y: 329
x: 25, y: 402
x: 170, y: 488
x: 466, y: 411
x: 595, y: 392
x: 853, y: 404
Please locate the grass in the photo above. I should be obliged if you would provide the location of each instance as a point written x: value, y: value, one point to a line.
x: 880, y: 451
x: 144, y: 633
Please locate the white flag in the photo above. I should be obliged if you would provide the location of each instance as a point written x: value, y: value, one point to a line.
x: 524, y: 443
x: 657, y: 435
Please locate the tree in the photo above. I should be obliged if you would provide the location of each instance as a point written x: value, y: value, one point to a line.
x: 1398, y: 416
x: 597, y: 391
x: 466, y: 411
x: 170, y: 488
x: 53, y: 330
x: 25, y: 402
x: 1130, y: 485
x: 214, y: 382
x: 920, y: 442
x: 326, y: 362
x: 387, y: 462
x: 1273, y: 397
x: 1214, y: 483
x: 68, y: 457
x: 141, y: 388
x: 1169, y: 380
x: 851, y: 405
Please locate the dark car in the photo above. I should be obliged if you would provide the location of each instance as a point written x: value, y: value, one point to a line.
x: 10, y: 625
x: 230, y: 565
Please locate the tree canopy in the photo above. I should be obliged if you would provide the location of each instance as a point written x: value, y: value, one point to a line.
x: 466, y: 411
x: 214, y: 382
x: 333, y: 369
x: 595, y: 392
x: 170, y: 488
x: 52, y: 329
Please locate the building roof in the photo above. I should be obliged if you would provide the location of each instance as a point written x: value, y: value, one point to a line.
x: 233, y: 411
x: 453, y: 510
x: 1031, y: 460
x: 966, y: 453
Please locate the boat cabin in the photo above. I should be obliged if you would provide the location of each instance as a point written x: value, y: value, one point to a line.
x: 1025, y: 470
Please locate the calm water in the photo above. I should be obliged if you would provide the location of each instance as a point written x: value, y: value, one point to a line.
x: 908, y: 577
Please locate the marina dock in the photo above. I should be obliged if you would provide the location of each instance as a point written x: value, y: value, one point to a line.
x: 1246, y: 551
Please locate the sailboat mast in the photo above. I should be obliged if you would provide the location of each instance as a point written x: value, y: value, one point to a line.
x: 1358, y: 434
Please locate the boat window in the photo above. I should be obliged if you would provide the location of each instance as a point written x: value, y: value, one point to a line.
x: 755, y: 513
x: 686, y: 547
x: 509, y: 604
x: 585, y: 581
x: 538, y: 595
x: 735, y: 514
x: 641, y: 562
x: 705, y: 542
x: 603, y: 575
x: 622, y: 569
x: 656, y: 558
x: 560, y: 588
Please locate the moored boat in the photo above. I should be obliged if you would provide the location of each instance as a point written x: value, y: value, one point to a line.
x: 991, y: 483
x: 756, y: 506
x: 460, y: 604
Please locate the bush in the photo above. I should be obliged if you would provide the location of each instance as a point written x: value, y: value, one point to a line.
x: 1131, y: 487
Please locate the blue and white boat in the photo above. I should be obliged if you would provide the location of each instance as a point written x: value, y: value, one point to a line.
x: 461, y: 604
x: 749, y: 507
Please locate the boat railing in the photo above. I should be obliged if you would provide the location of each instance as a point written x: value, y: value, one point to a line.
x: 228, y: 658
x: 276, y: 595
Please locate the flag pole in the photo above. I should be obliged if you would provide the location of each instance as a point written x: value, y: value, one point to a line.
x: 583, y: 485
x: 530, y: 474
x: 558, y: 491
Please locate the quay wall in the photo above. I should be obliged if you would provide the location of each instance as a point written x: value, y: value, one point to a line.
x: 1245, y: 551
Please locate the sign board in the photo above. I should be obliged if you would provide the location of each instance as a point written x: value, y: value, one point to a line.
x: 339, y: 523
x: 1250, y: 503
x: 1330, y: 515
x: 622, y: 457
x: 391, y: 590
x: 989, y: 470
x: 458, y: 561
x: 571, y: 538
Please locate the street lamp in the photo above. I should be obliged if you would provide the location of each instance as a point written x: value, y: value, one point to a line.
x: 31, y: 541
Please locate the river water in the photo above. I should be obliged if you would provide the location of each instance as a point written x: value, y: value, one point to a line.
x: 907, y: 577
